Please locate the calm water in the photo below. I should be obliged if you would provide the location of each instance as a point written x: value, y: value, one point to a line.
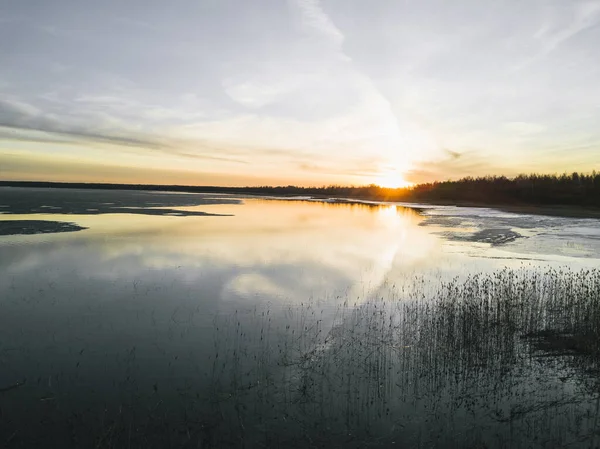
x: 138, y: 319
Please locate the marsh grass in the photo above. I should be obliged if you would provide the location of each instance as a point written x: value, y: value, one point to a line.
x: 508, y: 359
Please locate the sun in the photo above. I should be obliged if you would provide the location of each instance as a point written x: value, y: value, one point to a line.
x: 391, y: 180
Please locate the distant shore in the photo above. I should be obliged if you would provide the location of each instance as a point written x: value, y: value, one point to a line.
x: 552, y: 211
x: 549, y: 210
x: 559, y: 210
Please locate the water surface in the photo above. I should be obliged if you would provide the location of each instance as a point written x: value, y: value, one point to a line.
x: 163, y: 313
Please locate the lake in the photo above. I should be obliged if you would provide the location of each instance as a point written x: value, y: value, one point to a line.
x: 146, y: 319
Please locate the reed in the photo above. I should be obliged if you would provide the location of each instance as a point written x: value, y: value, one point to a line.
x: 501, y: 359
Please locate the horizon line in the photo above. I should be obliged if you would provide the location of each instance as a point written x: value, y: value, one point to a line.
x: 322, y: 186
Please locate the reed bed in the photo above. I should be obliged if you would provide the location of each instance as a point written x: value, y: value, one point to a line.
x: 508, y: 359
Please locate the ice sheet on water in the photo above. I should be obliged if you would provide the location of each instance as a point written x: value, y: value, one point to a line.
x: 28, y: 227
x: 516, y: 232
x: 86, y: 202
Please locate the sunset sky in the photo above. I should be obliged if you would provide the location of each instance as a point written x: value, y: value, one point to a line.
x: 246, y: 92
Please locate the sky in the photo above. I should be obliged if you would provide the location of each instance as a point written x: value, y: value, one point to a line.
x: 307, y: 92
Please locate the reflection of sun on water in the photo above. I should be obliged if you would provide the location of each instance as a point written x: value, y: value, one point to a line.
x: 390, y: 218
x: 391, y: 180
x: 388, y: 214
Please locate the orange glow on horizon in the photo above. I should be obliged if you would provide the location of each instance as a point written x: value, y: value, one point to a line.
x: 391, y: 180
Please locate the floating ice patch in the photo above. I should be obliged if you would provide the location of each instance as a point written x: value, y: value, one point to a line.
x: 494, y: 237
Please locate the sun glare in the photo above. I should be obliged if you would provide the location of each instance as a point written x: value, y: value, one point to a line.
x: 391, y: 180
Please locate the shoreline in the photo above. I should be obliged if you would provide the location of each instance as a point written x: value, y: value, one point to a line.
x: 557, y: 210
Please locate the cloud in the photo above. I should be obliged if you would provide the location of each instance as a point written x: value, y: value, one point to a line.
x: 306, y: 106
x: 261, y: 90
x: 453, y: 154
x: 239, y: 140
x: 315, y: 20
x: 585, y: 15
x: 29, y: 166
x: 19, y: 135
x: 349, y: 79
x: 564, y: 23
x: 453, y: 166
x: 35, y: 167
x: 18, y: 115
x: 21, y: 121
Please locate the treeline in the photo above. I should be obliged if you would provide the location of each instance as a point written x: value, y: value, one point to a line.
x: 574, y: 189
x: 570, y: 190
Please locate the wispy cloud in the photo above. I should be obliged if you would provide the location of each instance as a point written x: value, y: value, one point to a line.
x: 21, y: 121
x: 563, y: 22
x: 583, y: 16
x: 26, y: 166
x: 317, y: 21
x: 18, y: 115
x: 261, y: 90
